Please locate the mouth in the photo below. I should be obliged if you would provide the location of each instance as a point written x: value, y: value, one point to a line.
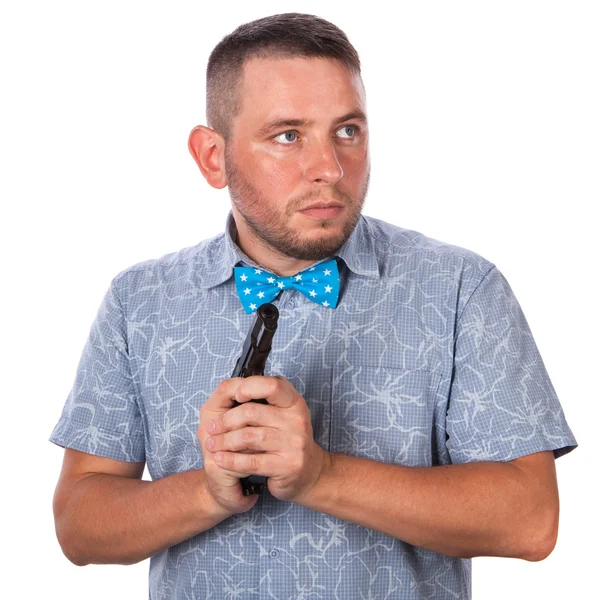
x: 322, y: 210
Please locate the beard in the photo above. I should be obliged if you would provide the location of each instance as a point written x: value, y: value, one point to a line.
x: 271, y: 228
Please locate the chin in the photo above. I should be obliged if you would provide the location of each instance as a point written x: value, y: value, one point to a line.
x: 318, y: 247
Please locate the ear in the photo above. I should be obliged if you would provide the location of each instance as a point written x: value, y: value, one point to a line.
x: 207, y: 148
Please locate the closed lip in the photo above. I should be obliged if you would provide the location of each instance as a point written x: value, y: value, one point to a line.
x: 323, y: 205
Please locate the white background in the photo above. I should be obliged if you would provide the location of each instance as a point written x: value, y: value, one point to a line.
x: 485, y: 129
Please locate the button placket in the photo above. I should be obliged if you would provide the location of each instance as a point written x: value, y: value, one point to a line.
x: 291, y: 301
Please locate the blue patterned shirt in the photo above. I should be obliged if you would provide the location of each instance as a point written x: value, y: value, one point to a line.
x: 427, y: 360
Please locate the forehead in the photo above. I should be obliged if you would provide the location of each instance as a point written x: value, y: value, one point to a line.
x: 295, y: 87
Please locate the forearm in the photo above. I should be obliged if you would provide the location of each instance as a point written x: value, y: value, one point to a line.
x: 476, y: 509
x: 119, y: 520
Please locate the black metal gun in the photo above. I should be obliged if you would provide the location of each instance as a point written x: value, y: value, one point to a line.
x: 252, y: 362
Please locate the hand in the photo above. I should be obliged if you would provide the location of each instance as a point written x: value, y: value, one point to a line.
x: 223, y: 485
x: 279, y: 435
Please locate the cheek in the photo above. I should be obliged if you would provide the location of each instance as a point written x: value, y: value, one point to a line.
x: 356, y: 169
x: 282, y: 179
x: 355, y: 163
x: 275, y: 173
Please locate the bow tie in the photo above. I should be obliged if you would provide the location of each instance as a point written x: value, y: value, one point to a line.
x: 320, y: 283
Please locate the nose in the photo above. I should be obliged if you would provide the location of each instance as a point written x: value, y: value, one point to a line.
x: 322, y: 164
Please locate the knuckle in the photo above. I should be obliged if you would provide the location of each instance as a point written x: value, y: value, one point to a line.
x: 277, y: 385
x: 299, y: 443
x: 247, y: 435
x: 251, y: 411
x: 300, y: 423
x: 252, y: 462
x: 223, y: 387
x: 227, y: 460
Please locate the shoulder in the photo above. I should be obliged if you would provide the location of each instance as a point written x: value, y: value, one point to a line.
x: 436, y: 268
x: 396, y: 244
x: 169, y: 268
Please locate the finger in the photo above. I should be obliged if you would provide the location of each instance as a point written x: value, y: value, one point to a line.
x: 242, y: 464
x: 224, y: 476
x: 260, y: 439
x: 278, y: 391
x: 250, y: 414
x: 219, y: 402
x: 222, y: 398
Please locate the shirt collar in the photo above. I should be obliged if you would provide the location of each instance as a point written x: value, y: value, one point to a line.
x: 357, y: 252
x: 220, y: 256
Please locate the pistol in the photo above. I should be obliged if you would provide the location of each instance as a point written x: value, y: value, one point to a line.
x: 252, y: 362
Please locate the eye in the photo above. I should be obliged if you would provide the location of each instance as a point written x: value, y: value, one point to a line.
x: 291, y: 136
x: 286, y: 134
x: 351, y: 128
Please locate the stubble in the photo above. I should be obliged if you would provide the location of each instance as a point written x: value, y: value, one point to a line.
x: 272, y: 229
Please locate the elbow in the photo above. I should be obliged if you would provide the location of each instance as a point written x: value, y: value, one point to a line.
x: 78, y: 551
x: 75, y: 560
x: 73, y: 557
x: 68, y: 549
x: 61, y: 525
x: 80, y: 561
x: 541, y: 550
x: 75, y: 553
x: 542, y: 541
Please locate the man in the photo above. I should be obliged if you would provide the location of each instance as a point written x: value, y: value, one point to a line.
x: 410, y: 422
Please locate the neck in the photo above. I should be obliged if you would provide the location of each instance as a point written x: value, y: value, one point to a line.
x: 267, y: 258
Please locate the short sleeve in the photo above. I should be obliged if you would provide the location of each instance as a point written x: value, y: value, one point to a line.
x: 101, y: 414
x: 502, y: 403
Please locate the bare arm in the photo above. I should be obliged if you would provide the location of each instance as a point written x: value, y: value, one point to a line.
x: 104, y: 513
x: 478, y: 509
x: 462, y: 510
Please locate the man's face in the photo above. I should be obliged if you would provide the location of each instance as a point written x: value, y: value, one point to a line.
x: 297, y: 190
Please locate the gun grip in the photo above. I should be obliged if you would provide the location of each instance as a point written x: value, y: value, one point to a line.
x: 252, y: 484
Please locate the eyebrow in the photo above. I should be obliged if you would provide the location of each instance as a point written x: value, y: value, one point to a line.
x: 278, y: 123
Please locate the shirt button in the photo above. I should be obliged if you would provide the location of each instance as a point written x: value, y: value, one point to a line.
x: 290, y: 304
x: 274, y: 553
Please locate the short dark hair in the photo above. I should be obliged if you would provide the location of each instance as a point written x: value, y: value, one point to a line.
x: 287, y: 35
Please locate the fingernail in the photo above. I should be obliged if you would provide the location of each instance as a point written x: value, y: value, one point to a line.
x: 210, y: 443
x: 212, y: 425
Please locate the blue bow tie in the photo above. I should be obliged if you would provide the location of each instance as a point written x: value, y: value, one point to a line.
x: 320, y: 283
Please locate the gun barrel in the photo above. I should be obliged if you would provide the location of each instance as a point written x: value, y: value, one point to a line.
x: 258, y: 342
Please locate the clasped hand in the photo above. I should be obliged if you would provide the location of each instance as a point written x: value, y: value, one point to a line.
x: 274, y: 440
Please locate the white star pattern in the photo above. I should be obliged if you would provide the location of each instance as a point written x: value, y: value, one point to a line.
x: 257, y: 277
